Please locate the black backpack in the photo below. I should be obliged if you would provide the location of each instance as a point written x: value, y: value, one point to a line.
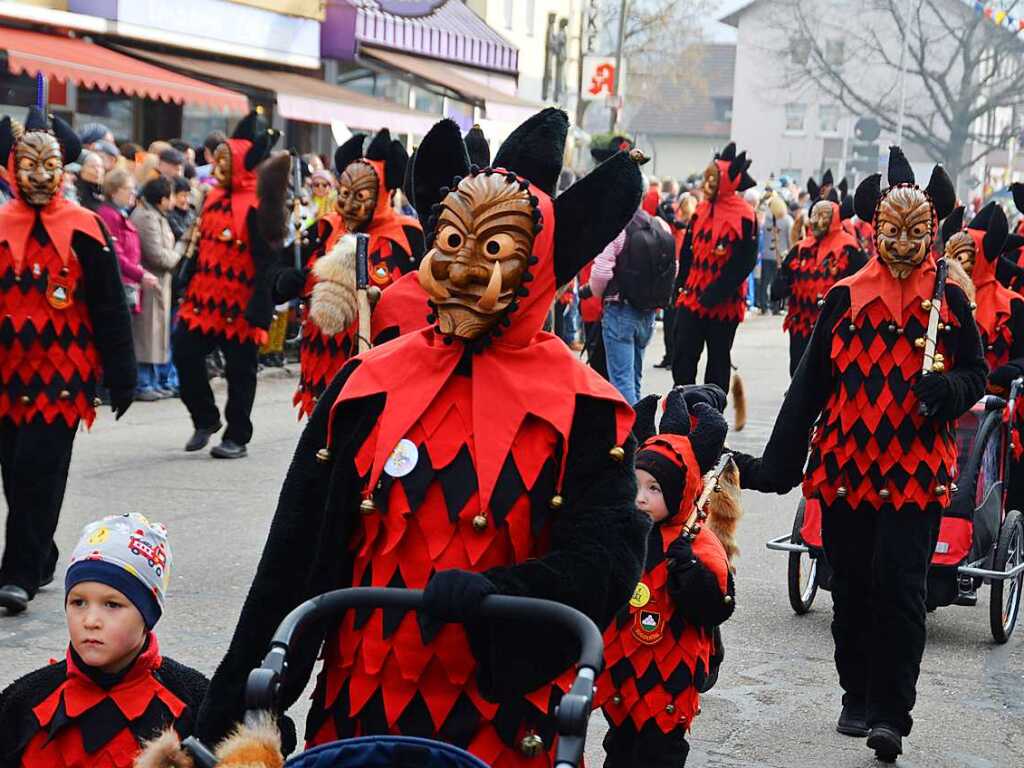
x: 645, y: 270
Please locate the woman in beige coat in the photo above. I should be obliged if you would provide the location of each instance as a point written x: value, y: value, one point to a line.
x: 152, y: 326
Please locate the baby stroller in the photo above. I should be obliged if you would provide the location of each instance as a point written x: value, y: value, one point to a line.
x: 264, y: 684
x: 980, y: 539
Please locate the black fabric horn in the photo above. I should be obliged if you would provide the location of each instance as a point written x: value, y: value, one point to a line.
x: 440, y: 157
x: 379, y: 146
x: 942, y: 192
x: 728, y: 153
x: 996, y: 229
x: 846, y: 208
x: 260, y: 149
x: 477, y: 147
x: 708, y: 436
x: 395, y: 165
x: 828, y: 178
x: 865, y: 199
x: 952, y: 224
x: 534, y: 150
x: 675, y: 420
x: 250, y: 127
x: 1013, y: 243
x: 591, y: 212
x: 349, y: 152
x: 900, y: 171
x: 1017, y: 188
x: 6, y: 139
x: 645, y: 411
x: 813, y: 189
x: 1008, y: 272
x: 70, y: 144
x: 844, y: 188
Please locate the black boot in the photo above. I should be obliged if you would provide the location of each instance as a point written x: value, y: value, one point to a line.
x: 13, y: 598
x: 853, y: 720
x: 228, y: 449
x: 886, y: 741
x: 201, y: 438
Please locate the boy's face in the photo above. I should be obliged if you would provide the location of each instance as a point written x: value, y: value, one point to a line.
x: 106, y: 629
x: 649, y: 498
x: 181, y: 200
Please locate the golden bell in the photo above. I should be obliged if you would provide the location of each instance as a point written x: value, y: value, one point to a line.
x: 852, y: 327
x: 556, y: 502
x: 64, y: 394
x: 26, y: 399
x: 884, y: 493
x: 531, y: 745
x: 939, y: 357
x: 974, y: 306
x: 480, y: 523
x: 938, y: 367
x: 617, y: 699
x: 96, y: 402
x: 841, y: 492
x: 952, y: 488
x: 727, y: 600
x: 367, y: 507
x: 670, y: 709
x: 323, y: 455
x: 920, y: 342
x: 940, y: 490
x: 617, y: 453
x: 926, y: 305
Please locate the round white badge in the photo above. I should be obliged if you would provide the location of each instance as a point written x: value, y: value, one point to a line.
x: 403, y: 459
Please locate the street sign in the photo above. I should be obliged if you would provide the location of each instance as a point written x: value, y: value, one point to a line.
x: 599, y: 78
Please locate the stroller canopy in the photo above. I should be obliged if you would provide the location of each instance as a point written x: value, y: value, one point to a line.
x: 385, y: 752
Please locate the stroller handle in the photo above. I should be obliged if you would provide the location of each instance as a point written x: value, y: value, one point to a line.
x: 262, y: 688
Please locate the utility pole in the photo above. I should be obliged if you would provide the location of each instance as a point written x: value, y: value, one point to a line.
x: 614, y: 120
x: 903, y: 74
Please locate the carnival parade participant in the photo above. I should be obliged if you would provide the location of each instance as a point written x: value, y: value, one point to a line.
x: 228, y: 302
x: 65, y: 325
x: 719, y: 252
x: 883, y: 453
x: 113, y: 690
x: 363, y: 204
x: 495, y: 463
x: 660, y: 648
x: 810, y: 269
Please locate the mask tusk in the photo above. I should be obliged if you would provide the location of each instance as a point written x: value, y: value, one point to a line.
x: 490, y: 297
x: 429, y: 283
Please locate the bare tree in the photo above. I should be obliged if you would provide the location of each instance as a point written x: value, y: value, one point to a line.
x: 964, y: 75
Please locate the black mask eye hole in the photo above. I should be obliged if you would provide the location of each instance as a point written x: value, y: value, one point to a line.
x: 493, y: 248
x: 454, y: 240
x: 449, y: 238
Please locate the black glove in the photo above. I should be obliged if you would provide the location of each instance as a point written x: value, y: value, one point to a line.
x: 934, y: 391
x: 289, y: 738
x: 711, y: 394
x: 1004, y: 375
x: 290, y: 283
x: 585, y: 291
x: 120, y: 400
x: 681, y: 552
x: 455, y: 595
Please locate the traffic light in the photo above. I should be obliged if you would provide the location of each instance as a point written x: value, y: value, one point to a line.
x: 864, y: 160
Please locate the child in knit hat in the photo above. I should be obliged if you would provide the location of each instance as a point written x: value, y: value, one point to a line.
x: 659, y: 649
x: 114, y: 690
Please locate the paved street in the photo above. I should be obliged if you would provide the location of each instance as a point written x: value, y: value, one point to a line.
x: 776, y: 702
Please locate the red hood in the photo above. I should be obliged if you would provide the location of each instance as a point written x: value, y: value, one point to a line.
x: 727, y: 210
x: 242, y: 190
x: 834, y: 241
x: 991, y: 297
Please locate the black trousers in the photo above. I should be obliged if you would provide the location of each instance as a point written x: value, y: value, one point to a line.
x: 797, y: 344
x: 668, y: 323
x: 651, y: 748
x: 35, y: 459
x: 241, y: 361
x: 594, y: 341
x: 769, y: 268
x: 692, y: 333
x: 880, y: 568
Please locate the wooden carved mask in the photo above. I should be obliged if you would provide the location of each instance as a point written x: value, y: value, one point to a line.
x: 904, y: 225
x: 38, y: 166
x: 357, y: 195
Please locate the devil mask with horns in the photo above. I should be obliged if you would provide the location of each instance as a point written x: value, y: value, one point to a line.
x: 40, y: 153
x: 905, y: 216
x: 366, y: 180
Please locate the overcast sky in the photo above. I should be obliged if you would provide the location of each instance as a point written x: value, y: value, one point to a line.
x: 720, y: 33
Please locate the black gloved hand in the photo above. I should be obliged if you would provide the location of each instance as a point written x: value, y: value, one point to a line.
x: 455, y: 595
x: 120, y: 400
x: 1004, y: 375
x: 711, y: 394
x: 585, y: 291
x: 290, y: 282
x: 934, y: 391
x: 681, y: 552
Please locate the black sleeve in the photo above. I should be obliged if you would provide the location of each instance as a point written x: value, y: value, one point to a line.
x: 17, y: 722
x: 855, y: 259
x: 741, y: 263
x: 108, y: 311
x: 417, y: 246
x: 260, y: 310
x: 695, y: 591
x: 685, y: 257
x: 287, y: 281
x: 783, y: 282
x: 187, y: 684
x: 596, y: 558
x: 968, y: 377
x: 300, y: 559
x: 782, y: 466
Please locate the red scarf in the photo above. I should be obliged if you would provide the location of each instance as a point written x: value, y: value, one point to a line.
x: 525, y: 372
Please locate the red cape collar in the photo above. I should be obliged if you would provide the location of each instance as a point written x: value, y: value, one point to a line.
x: 875, y: 282
x: 61, y: 219
x: 726, y: 213
x: 241, y: 196
x: 524, y: 372
x: 834, y: 241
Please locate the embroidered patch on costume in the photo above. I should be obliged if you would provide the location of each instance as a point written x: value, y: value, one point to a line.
x: 648, y: 627
x: 403, y: 459
x: 58, y: 291
x: 641, y: 596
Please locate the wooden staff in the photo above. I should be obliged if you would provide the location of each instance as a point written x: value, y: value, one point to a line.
x: 933, y: 361
x: 700, y: 509
x: 362, y: 283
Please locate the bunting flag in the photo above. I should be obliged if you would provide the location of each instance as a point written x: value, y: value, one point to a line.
x: 999, y: 16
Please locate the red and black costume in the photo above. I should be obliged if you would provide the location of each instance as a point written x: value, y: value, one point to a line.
x: 880, y: 470
x: 514, y: 475
x: 71, y: 715
x: 718, y: 254
x: 227, y: 303
x: 395, y: 249
x: 659, y: 648
x: 808, y: 272
x: 65, y: 328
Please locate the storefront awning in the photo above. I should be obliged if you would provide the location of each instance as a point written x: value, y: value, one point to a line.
x: 308, y: 99
x: 441, y: 74
x: 93, y: 66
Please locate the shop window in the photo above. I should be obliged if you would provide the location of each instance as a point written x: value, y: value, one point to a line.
x: 723, y: 109
x: 796, y: 116
x: 198, y: 122
x: 427, y: 101
x: 114, y: 110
